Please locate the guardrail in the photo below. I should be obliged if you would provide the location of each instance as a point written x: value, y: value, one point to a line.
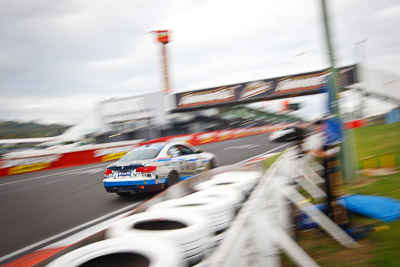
x: 232, y: 216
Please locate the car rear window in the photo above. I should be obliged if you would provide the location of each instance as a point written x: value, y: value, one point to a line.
x: 139, y: 154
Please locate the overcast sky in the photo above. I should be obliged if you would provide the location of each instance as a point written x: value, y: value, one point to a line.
x: 59, y: 58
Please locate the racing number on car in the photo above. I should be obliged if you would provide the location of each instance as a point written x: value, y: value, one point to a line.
x: 188, y: 166
x: 135, y: 174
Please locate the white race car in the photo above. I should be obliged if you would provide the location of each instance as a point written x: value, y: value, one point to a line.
x: 154, y: 167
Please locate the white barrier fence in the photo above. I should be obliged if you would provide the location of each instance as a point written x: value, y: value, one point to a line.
x: 263, y: 228
x: 228, y: 217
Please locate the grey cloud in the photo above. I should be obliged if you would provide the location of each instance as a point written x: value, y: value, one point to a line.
x: 99, y: 47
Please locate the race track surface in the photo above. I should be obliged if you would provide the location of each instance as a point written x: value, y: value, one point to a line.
x: 37, y: 206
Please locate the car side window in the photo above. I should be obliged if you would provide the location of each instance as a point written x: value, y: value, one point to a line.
x: 185, y: 150
x: 174, y: 151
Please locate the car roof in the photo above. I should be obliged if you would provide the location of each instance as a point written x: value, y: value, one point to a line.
x: 158, y: 145
x: 161, y: 145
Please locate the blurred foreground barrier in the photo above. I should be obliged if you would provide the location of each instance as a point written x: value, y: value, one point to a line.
x: 45, y: 255
x: 264, y: 226
x: 244, y: 219
x: 141, y: 251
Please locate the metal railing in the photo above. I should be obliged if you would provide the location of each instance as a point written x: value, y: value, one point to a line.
x: 264, y: 227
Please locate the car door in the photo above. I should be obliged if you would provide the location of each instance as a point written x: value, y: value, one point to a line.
x: 186, y: 158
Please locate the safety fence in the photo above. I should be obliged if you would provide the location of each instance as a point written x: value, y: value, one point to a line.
x: 234, y: 215
x: 39, y: 160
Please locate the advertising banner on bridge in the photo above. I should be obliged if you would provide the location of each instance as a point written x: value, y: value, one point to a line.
x: 261, y: 90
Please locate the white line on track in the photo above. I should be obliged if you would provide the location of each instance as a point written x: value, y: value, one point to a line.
x: 262, y: 154
x: 249, y: 146
x: 47, y: 175
x: 77, y: 228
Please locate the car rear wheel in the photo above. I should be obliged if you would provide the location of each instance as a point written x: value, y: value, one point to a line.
x: 172, y: 179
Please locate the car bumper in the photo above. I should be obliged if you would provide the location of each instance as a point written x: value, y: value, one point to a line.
x: 136, y: 186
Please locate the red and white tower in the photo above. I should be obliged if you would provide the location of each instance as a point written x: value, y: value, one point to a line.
x: 163, y: 38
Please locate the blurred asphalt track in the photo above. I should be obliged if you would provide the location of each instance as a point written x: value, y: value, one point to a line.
x: 36, y: 206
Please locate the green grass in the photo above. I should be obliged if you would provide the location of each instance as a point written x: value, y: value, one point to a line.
x: 388, y: 185
x: 268, y: 161
x: 387, y: 246
x: 386, y: 243
x: 378, y: 139
x: 373, y: 141
x: 379, y: 248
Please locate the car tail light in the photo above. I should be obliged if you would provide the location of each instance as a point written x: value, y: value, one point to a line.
x: 146, y: 169
x: 107, y: 172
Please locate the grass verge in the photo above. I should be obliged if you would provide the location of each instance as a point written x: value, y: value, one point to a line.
x: 376, y: 140
x: 380, y: 247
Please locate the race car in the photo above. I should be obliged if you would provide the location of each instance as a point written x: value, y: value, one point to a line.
x: 154, y: 167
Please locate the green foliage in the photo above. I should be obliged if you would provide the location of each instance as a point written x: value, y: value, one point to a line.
x: 15, y: 129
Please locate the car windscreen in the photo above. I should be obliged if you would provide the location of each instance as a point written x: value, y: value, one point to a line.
x: 139, y: 154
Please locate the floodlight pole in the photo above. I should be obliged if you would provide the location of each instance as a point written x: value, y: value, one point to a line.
x: 344, y: 168
x: 344, y: 163
x: 335, y: 97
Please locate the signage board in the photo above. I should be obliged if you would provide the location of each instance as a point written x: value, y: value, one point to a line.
x: 261, y: 90
x: 148, y: 106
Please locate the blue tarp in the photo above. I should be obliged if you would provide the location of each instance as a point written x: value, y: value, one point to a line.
x: 382, y: 208
x: 305, y: 222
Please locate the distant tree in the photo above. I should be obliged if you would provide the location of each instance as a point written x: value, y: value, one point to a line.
x: 15, y: 129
